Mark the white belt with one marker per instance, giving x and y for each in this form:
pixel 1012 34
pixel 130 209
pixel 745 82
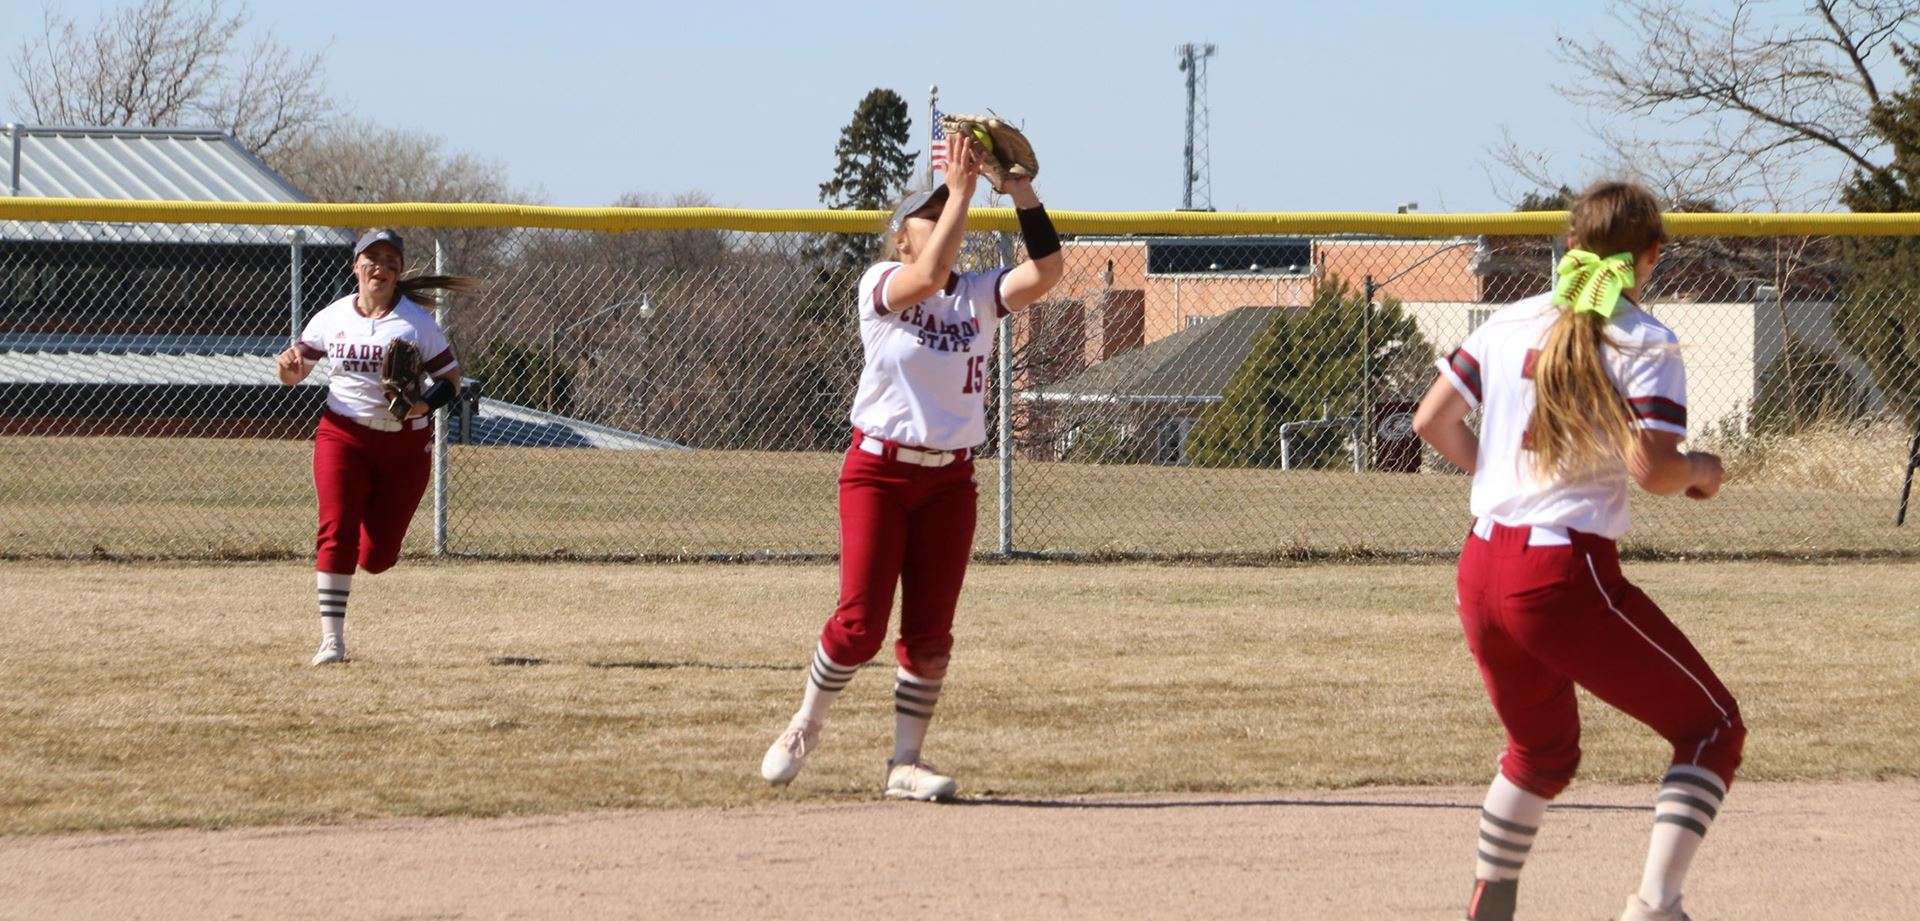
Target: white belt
pixel 387 425
pixel 878 448
pixel 1538 535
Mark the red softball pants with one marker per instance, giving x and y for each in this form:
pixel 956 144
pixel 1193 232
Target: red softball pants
pixel 908 525
pixel 369 483
pixel 1542 619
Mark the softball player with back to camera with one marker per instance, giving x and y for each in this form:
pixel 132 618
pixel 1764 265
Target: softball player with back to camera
pixel 1579 391
pixel 369 467
pixel 907 492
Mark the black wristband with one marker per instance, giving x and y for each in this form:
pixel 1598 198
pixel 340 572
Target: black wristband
pixel 440 394
pixel 1037 230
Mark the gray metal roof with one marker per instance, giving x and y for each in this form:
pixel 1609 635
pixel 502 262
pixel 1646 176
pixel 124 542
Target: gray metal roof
pixel 1193 365
pixel 143 164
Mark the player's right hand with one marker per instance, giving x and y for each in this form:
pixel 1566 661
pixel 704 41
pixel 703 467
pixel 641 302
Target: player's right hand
pixel 963 167
pixel 1707 474
pixel 288 361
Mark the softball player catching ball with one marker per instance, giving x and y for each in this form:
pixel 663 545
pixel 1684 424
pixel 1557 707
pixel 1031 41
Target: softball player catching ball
pixel 369 468
pixel 907 494
pixel 1578 391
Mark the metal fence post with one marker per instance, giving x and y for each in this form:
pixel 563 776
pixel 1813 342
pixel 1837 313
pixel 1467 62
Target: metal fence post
pixel 1366 375
pixel 296 238
pixel 440 423
pixel 1003 384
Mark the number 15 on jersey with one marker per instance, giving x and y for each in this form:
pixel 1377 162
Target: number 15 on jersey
pixel 976 380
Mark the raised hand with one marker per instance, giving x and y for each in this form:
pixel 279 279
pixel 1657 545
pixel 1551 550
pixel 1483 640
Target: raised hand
pixel 963 166
pixel 291 366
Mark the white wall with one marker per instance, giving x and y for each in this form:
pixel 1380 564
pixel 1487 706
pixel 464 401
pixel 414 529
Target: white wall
pixel 1727 346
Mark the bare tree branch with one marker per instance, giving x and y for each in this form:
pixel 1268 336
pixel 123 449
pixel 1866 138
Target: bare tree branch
pixel 1723 102
pixel 171 63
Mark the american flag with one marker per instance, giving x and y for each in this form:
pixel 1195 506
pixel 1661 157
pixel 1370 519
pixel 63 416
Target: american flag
pixel 937 151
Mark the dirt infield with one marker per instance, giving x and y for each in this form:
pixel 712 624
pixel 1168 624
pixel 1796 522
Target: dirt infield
pixel 1799 851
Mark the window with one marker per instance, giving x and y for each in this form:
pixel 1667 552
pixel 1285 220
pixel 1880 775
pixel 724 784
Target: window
pixel 1477 316
pixel 1193 321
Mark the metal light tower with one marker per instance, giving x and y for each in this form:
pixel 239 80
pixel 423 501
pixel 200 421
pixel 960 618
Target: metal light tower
pixel 1198 174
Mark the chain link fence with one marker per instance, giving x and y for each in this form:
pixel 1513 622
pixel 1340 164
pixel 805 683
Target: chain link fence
pixel 684 393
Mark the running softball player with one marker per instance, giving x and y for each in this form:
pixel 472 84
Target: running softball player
pixel 907 494
pixel 1578 390
pixel 369 468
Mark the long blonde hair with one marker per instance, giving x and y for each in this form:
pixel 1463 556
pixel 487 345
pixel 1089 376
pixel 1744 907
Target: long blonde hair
pixel 1580 419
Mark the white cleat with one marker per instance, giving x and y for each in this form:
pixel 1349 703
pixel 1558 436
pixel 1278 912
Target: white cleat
pixel 918 780
pixel 1638 910
pixel 331 651
pixel 789 752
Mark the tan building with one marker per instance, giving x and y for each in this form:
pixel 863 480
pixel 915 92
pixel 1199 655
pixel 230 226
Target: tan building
pixel 1121 296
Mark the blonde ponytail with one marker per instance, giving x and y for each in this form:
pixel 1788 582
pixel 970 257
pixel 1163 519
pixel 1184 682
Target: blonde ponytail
pixel 1580 419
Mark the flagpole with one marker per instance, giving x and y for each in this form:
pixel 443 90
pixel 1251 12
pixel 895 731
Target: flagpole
pixel 933 113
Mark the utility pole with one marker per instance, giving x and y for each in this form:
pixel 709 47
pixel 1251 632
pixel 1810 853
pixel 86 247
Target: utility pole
pixel 1198 173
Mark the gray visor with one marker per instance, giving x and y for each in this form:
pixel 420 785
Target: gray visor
pixel 935 198
pixel 382 235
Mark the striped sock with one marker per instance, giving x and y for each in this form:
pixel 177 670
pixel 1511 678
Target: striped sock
pixel 913 700
pixel 1509 819
pixel 825 680
pixel 330 590
pixel 1689 799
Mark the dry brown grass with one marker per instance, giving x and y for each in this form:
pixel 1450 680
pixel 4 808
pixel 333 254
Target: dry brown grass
pixel 1850 457
pixel 254 499
pixel 153 696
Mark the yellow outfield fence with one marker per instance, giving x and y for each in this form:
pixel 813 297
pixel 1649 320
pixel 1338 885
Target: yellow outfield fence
pixel 622 220
pixel 675 382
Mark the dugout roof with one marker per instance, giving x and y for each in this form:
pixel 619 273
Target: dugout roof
pixel 144 164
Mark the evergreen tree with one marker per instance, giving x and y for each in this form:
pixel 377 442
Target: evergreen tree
pixel 1878 313
pixel 1305 364
pixel 872 166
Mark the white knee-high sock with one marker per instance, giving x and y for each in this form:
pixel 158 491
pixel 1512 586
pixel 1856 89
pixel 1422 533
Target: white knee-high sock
pixel 330 590
pixel 825 680
pixel 1688 801
pixel 1509 819
pixel 913 700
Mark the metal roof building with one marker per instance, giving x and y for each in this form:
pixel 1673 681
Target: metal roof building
pixel 143 164
pixel 1192 366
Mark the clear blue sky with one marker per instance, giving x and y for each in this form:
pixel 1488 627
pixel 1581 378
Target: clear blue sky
pixel 1356 105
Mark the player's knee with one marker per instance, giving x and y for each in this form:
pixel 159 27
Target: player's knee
pixel 925 656
pixel 375 563
pixel 1542 772
pixel 1719 749
pixel 851 643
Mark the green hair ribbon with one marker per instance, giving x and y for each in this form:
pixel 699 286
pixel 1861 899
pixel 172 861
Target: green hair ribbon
pixel 1588 283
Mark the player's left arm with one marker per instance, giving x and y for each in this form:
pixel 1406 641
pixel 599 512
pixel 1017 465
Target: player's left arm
pixel 1031 280
pixel 1441 421
pixel 442 367
pixel 1655 385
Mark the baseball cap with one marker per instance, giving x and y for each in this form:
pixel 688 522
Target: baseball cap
pixel 935 198
pixel 380 235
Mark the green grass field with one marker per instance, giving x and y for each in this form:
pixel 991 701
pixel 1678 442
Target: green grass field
pixel 162 695
pixel 130 497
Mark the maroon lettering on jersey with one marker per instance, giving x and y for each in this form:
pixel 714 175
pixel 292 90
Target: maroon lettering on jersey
pixel 1526 366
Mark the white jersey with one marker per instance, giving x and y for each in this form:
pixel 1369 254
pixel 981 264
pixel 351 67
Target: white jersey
pixel 354 346
pixel 924 384
pixel 1493 369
